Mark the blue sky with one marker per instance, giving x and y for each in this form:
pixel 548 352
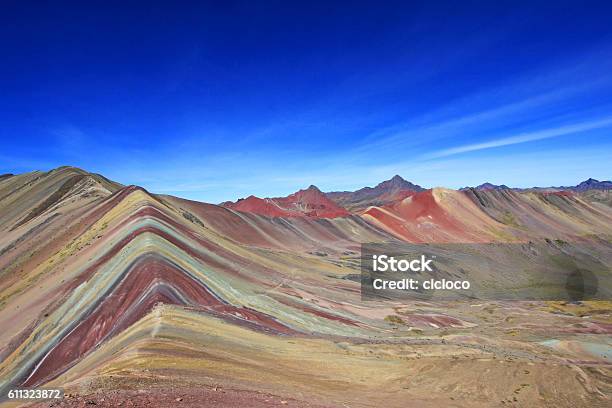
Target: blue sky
pixel 219 100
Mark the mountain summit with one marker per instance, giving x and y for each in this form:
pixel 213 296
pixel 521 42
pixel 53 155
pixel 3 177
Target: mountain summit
pixel 383 193
pixel 592 184
pixel 488 187
pixel 310 202
pixel 589 184
pixel 396 183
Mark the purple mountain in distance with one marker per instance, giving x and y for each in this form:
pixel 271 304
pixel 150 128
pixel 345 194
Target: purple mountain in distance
pixel 396 183
pixel 592 184
pixel 587 185
pixel 398 188
pixel 487 187
pixel 382 193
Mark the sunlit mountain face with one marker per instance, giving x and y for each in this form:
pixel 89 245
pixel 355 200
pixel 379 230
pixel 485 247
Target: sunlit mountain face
pixel 111 292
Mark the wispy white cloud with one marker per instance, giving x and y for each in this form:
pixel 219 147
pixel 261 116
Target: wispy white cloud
pixel 523 102
pixel 524 137
pixel 69 137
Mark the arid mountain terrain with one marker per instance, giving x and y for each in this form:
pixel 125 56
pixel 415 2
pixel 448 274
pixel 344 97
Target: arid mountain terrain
pixel 310 202
pixel 386 192
pixel 114 294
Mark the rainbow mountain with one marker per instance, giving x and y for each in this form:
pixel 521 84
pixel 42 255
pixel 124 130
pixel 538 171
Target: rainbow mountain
pixel 108 289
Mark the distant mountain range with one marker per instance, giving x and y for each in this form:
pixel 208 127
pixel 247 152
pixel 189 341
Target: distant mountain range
pixel 590 184
pixel 312 202
pixel 487 187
